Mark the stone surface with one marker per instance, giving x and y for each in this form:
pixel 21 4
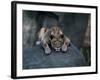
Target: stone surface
pixel 35 57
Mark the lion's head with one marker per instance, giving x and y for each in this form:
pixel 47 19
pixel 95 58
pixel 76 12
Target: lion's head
pixel 56 38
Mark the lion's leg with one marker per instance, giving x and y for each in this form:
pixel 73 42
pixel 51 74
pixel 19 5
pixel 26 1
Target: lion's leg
pixel 43 37
pixel 66 44
pixel 46 47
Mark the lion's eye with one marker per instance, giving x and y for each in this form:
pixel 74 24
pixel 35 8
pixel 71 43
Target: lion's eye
pixel 51 36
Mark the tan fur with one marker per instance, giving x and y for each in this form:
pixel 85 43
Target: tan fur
pixel 55 37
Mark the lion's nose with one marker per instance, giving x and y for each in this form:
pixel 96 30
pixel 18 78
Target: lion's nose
pixel 58 44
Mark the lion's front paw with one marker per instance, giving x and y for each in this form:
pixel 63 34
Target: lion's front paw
pixel 64 48
pixel 47 50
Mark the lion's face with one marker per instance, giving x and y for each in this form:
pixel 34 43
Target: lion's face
pixel 56 38
pixel 56 42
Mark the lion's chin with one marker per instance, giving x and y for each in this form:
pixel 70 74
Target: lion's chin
pixel 57 49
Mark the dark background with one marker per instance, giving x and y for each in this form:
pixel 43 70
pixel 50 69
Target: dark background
pixel 74 25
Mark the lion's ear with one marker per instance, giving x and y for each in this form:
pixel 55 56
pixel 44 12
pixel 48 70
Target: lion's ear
pixel 60 32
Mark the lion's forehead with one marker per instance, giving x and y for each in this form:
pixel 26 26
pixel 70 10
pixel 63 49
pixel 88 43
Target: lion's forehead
pixel 56 31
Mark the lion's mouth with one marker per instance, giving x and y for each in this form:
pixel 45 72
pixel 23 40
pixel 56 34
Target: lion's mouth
pixel 57 49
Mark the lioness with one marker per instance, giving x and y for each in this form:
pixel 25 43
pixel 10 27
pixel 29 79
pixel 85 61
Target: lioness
pixel 53 37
